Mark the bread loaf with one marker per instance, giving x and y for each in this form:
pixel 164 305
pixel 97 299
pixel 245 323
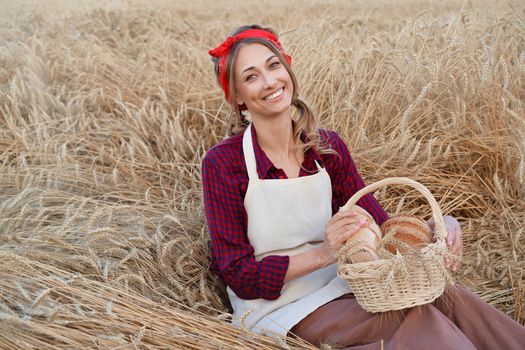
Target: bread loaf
pixel 366 240
pixel 405 232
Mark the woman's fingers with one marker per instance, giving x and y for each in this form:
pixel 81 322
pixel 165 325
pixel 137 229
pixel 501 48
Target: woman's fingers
pixel 447 263
pixel 340 227
pixel 349 231
pixel 458 250
pixel 454 240
pixel 343 222
pixel 338 237
pixel 452 236
pixel 455 245
pixel 339 215
pixel 334 227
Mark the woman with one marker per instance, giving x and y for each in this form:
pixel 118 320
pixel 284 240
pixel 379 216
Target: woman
pixel 272 191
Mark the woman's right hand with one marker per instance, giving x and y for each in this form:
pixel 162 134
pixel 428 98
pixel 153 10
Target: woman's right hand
pixel 338 229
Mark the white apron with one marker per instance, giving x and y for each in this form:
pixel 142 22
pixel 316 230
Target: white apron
pixel 286 217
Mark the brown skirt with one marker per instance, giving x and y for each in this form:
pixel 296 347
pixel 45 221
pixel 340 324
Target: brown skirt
pixel 459 319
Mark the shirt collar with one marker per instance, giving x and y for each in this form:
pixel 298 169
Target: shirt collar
pixel 264 164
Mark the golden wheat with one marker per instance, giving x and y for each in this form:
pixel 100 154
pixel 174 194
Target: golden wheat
pixel 107 108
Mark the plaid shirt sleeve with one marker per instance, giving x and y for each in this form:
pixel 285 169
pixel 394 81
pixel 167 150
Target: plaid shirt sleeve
pixel 346 181
pixel 232 253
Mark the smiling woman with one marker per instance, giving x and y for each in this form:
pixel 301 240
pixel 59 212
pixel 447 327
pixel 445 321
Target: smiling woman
pixel 262 83
pixel 272 191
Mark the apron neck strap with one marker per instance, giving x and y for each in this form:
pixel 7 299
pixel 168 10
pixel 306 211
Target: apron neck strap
pixel 249 153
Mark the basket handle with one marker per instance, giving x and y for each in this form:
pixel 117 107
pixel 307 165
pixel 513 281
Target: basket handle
pixel 439 229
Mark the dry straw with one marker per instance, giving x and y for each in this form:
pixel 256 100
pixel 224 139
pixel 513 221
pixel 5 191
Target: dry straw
pixel 107 109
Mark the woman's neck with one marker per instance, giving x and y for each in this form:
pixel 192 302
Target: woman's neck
pixel 275 136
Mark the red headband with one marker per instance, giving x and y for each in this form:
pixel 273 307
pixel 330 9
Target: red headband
pixel 223 50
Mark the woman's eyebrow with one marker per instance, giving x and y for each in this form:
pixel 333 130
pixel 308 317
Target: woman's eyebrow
pixel 250 68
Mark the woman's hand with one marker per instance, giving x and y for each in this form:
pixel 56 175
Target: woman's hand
pixel 338 229
pixel 454 240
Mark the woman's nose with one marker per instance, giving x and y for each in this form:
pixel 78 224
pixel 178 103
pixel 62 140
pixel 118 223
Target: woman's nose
pixel 269 80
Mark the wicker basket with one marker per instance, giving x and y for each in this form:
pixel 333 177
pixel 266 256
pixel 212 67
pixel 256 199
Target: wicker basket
pixel 398 281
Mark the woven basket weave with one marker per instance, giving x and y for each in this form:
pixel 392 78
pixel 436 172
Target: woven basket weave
pixel 398 281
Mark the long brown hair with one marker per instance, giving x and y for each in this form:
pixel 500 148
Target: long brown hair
pixel 303 122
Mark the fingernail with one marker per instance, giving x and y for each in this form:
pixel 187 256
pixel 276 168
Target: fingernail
pixel 362 222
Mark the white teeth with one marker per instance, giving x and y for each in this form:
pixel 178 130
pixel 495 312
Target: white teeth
pixel 274 95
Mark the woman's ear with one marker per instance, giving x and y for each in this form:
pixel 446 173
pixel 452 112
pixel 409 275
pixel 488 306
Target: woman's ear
pixel 239 101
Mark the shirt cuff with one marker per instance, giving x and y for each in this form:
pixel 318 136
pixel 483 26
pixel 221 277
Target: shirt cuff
pixel 271 277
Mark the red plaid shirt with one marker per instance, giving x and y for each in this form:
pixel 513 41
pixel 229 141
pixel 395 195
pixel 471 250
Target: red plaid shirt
pixel 225 180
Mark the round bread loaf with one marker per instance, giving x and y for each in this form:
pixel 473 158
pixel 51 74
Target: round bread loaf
pixel 366 240
pixel 405 232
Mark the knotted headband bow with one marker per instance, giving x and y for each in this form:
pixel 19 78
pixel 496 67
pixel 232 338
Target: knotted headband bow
pixel 223 50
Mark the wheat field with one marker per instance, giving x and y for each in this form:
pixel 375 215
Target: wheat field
pixel 107 108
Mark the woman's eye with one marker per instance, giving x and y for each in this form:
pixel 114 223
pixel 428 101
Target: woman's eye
pixel 250 77
pixel 275 64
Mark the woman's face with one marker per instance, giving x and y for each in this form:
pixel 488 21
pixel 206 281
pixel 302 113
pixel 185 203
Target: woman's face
pixel 261 81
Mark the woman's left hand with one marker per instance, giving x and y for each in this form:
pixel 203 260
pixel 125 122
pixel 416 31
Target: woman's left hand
pixel 454 240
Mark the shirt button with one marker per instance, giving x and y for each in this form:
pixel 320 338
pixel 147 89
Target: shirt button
pixel 281 177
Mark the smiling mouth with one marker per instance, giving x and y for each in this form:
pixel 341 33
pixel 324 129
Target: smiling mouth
pixel 274 95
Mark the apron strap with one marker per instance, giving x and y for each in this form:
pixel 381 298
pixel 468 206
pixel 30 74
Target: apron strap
pixel 249 153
